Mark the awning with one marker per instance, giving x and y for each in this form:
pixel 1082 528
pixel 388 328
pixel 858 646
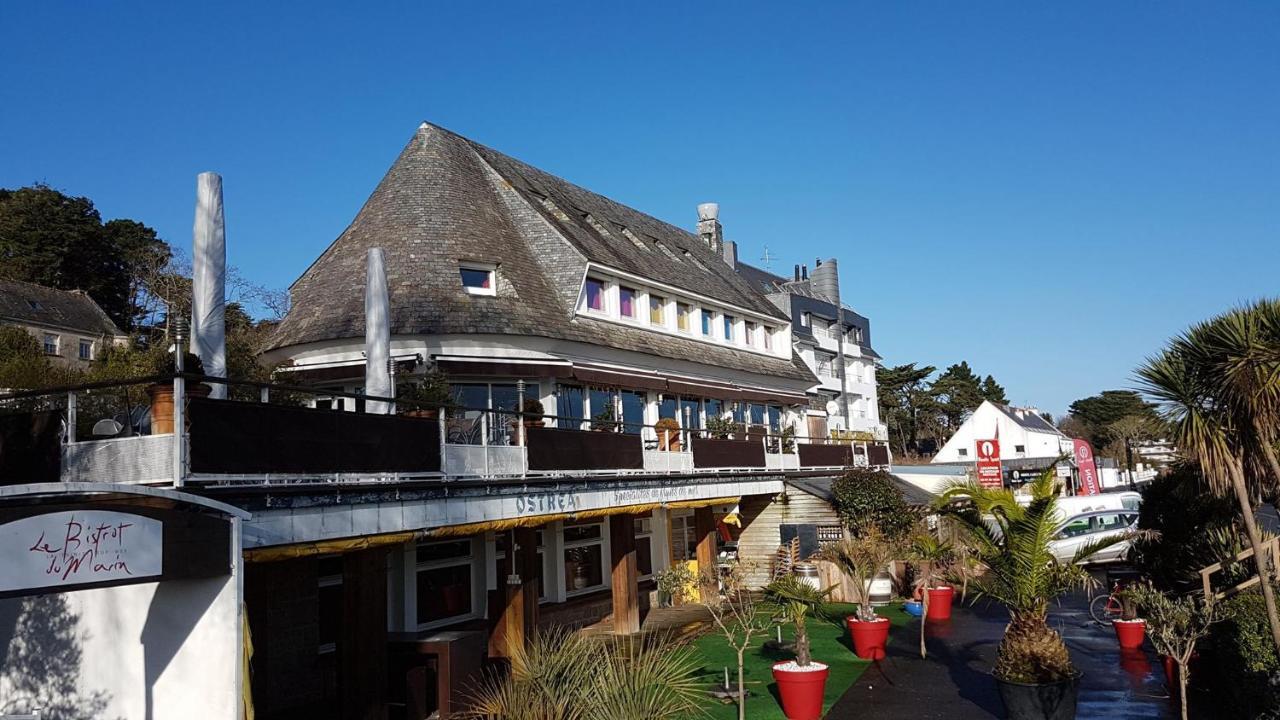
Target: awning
pixel 762 395
pixel 343 370
pixel 695 388
pixel 613 377
pixel 503 367
pixel 275 553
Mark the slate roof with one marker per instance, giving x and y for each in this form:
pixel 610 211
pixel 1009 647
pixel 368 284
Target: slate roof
pixel 28 303
pixel 448 199
pixel 820 487
pixel 1029 419
pixel 769 283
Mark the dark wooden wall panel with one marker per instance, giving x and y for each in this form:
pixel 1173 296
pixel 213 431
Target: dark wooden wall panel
pixel 556 449
pixel 711 453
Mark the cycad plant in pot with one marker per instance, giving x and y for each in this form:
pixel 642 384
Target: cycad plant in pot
pixel 801 682
pixel 425 398
pixel 1033 669
pixel 933 558
pixel 860 558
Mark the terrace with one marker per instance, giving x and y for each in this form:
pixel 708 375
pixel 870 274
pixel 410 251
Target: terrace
pixel 264 434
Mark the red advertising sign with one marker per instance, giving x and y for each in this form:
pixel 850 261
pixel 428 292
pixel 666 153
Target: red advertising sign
pixel 990 473
pixel 1089 482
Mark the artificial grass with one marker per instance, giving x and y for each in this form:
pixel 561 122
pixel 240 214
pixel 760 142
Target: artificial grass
pixel 829 643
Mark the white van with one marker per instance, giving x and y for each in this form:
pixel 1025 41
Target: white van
pixel 1078 504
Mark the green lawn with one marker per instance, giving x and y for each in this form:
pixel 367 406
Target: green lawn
pixel 830 643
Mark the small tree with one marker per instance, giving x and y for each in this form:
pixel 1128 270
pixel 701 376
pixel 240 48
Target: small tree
pixel 738 617
pixel 796 599
pixel 934 557
pixel 871 497
pixel 676 583
pixel 1176 625
pixel 860 558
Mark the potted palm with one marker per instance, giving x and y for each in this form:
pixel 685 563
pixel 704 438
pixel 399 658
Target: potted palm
pixel 860 558
pixel 802 681
pixel 1033 669
pixel 934 557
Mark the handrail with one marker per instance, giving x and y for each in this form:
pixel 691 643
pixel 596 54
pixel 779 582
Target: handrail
pixel 1273 548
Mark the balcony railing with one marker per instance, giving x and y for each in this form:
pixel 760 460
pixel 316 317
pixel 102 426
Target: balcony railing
pixel 105 433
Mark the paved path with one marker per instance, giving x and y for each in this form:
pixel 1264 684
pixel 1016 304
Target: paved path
pixel 954 683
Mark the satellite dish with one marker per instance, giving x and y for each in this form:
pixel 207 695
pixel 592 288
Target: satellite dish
pixel 833 407
pixel 107 428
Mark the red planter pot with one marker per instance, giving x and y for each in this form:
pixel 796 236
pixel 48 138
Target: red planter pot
pixel 801 690
pixel 1130 632
pixel 869 637
pixel 940 603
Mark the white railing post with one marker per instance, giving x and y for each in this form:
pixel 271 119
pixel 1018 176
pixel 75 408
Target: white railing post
pixel 179 421
pixel 520 413
pixel 440 419
pixel 484 439
pixel 264 394
pixel 71 417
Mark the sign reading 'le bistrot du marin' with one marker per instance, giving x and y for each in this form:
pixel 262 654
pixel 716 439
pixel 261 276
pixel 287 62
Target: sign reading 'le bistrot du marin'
pixel 78 547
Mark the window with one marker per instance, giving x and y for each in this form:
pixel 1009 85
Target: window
pixel 583 557
pixel 684 537
pixel 964 452
pixel 444 581
pixel 633 405
pixel 466 423
pixel 502 540
pixel 50 344
pixel 692 408
pixel 644 546
pixel 706 323
pixel 604 410
pixel 804 319
pixel 86 350
pixel 595 294
pixel 682 316
pixel 729 321
pixel 656 310
pixel 570 407
pixel 749 336
pixel 329 599
pixel 627 302
pixel 1020 448
pixel 35 305
pixel 477 280
pixel 768 338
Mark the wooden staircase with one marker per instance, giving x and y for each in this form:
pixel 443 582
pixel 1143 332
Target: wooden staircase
pixel 1271 547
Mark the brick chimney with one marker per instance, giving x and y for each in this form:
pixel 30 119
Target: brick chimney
pixel 709 227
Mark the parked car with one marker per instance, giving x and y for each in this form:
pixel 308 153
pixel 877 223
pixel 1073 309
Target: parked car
pixel 1090 527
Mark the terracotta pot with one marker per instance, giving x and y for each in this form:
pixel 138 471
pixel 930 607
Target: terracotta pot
pixel 1130 632
pixel 869 636
pixel 162 404
pixel 801 690
pixel 428 414
pixel 940 603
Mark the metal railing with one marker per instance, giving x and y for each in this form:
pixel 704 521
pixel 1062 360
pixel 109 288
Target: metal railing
pixel 480 442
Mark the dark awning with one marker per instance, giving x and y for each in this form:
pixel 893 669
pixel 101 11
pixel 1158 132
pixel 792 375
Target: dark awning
pixel 762 395
pixel 487 367
pixel 610 377
pixel 703 389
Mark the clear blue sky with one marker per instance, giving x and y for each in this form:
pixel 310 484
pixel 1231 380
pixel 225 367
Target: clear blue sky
pixel 1045 190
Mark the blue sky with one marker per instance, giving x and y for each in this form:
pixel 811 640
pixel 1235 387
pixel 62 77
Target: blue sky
pixel 1045 190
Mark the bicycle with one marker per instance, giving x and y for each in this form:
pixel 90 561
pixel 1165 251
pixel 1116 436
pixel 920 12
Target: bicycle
pixel 1106 608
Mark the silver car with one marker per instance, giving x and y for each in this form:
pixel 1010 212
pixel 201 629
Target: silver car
pixel 1089 527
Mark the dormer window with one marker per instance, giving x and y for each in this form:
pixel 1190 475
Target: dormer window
pixel 768 339
pixel 706 322
pixel 750 333
pixel 627 302
pixel 595 295
pixel 682 316
pixel 478 279
pixel 729 322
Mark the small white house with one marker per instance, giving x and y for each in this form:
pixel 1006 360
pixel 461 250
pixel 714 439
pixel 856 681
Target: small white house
pixel 1022 433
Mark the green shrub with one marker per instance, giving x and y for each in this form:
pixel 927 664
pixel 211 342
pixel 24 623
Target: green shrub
pixel 871 497
pixel 1196 529
pixel 1245 657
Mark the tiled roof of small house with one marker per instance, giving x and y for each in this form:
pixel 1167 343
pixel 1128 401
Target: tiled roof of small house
pixel 447 200
pixel 28 303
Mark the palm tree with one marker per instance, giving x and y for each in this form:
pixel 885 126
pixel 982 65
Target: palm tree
pixel 1219 388
pixel 935 557
pixel 796 599
pixel 1012 542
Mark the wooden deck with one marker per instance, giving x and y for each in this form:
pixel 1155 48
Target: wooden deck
pixel 683 622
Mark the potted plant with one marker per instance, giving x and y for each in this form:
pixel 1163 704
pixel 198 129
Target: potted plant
pixel 860 558
pixel 668 434
pixel 1130 629
pixel 720 427
pixel 933 557
pixel 426 397
pixel 1176 626
pixel 1033 669
pixel 802 681
pixel 675 584
pixel 162 392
